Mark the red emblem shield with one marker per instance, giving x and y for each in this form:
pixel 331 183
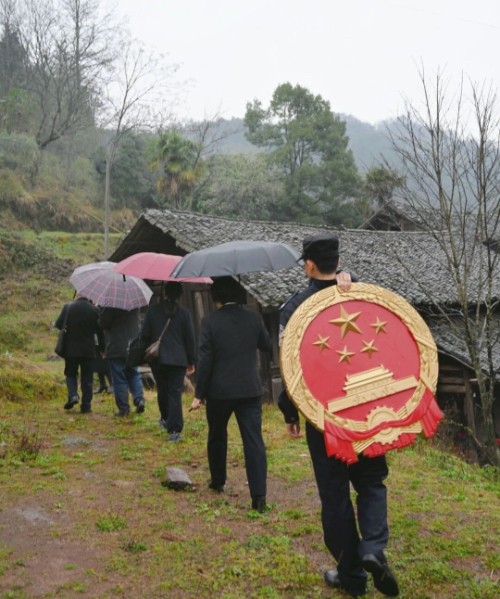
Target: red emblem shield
pixel 362 367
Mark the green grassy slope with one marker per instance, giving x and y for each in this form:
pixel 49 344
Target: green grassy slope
pixel 83 512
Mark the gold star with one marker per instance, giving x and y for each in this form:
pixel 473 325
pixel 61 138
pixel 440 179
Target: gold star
pixel 369 348
pixel 346 322
pixel 345 355
pixel 322 342
pixel 379 325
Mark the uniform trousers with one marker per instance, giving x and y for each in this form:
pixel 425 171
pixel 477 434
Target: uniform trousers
pixel 169 385
pixel 86 366
pixel 248 414
pixel 349 538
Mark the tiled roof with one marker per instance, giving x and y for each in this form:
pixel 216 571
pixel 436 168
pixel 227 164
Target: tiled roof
pixel 450 340
pixel 409 263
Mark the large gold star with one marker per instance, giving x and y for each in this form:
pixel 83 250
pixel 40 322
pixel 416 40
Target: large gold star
pixel 369 348
pixel 322 342
pixel 346 322
pixel 345 355
pixel 379 325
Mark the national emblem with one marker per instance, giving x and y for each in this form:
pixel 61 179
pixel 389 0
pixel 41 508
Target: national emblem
pixel 361 365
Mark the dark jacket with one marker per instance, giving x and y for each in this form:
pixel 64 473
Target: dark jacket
pixel 285 404
pixel 177 346
pixel 82 329
pixel 227 357
pixel 120 327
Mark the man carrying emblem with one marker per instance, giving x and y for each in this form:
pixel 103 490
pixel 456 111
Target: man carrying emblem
pixel 357 544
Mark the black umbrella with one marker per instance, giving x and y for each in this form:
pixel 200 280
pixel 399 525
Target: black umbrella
pixel 236 258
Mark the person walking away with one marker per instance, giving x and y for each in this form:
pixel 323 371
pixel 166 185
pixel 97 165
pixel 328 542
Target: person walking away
pixel 228 381
pixel 81 318
pixel 176 357
pixel 356 553
pixel 101 368
pixel 120 327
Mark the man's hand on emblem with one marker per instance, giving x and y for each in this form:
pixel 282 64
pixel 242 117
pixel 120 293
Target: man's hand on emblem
pixel 344 280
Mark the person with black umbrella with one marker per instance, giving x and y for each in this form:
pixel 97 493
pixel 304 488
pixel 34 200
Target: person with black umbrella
pixel 227 380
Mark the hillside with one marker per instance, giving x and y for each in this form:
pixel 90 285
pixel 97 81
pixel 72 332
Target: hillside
pixel 84 513
pixel 367 142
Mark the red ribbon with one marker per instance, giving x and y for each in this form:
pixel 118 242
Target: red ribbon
pixel 339 441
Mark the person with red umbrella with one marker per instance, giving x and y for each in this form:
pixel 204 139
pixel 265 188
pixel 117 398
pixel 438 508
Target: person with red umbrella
pixel 173 325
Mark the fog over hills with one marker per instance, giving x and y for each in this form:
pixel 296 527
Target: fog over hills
pixel 367 142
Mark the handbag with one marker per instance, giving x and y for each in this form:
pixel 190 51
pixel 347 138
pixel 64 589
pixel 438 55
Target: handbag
pixel 153 351
pixel 135 352
pixel 60 348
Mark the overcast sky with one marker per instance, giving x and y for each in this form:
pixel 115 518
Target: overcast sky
pixel 362 56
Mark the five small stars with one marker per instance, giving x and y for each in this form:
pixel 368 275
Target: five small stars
pixel 346 322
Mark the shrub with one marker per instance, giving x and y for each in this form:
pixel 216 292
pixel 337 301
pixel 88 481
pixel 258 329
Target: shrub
pixel 20 382
pixel 19 152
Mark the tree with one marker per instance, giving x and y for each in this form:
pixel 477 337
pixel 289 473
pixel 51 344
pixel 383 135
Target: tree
pixel 13 57
pixel 134 100
pixel 307 146
pixel 69 47
pixel 238 186
pixel 178 165
pixel 451 158
pixel 132 184
pixel 379 184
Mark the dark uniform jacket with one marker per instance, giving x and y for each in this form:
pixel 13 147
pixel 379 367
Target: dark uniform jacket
pixel 82 329
pixel 177 346
pixel 120 327
pixel 227 357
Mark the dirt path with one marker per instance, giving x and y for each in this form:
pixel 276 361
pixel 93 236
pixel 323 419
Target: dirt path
pixel 89 516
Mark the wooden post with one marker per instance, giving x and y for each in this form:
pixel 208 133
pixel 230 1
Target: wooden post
pixel 469 403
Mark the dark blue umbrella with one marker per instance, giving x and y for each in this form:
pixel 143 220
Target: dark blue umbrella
pixel 236 258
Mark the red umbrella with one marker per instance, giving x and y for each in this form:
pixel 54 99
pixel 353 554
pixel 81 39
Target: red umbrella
pixel 154 267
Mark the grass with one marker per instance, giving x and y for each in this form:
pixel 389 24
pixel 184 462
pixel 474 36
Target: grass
pixel 84 513
pixel 96 482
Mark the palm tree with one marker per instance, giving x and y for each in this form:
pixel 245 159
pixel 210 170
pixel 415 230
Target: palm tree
pixel 178 166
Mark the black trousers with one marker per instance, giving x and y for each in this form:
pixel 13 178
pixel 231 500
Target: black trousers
pixel 86 366
pixel 169 384
pixel 348 539
pixel 248 414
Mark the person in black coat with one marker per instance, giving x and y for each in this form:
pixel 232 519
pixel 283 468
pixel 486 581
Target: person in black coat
pixel 81 318
pixel 227 379
pixel 356 539
pixel 176 358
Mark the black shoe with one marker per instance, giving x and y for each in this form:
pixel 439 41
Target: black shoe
pixel 140 407
pixel 259 504
pixel 216 488
pixel 332 580
pixel 72 401
pixel 85 410
pixel 122 413
pixel 174 437
pixel 383 579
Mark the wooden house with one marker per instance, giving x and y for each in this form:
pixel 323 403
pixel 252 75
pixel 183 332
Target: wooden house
pixel 406 262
